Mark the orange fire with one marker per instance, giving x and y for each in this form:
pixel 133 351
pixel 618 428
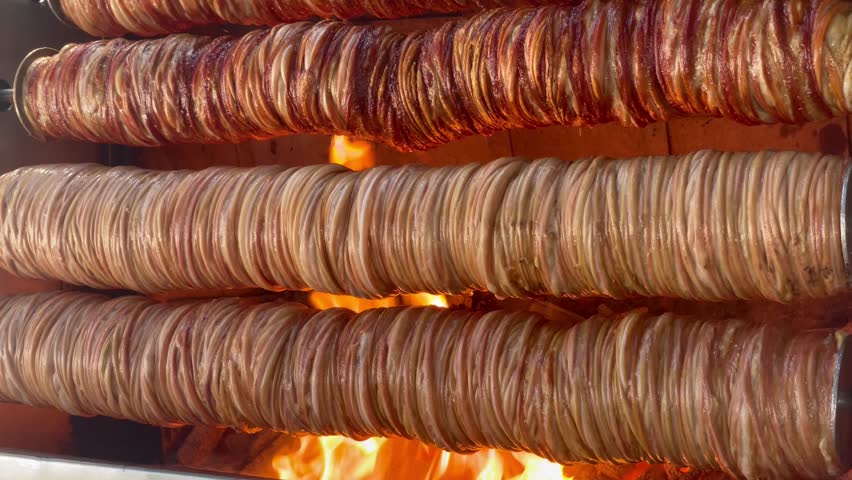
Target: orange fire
pixel 355 154
pixel 337 457
pixel 324 301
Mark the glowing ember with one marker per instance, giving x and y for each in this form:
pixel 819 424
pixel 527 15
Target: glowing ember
pixel 425 299
pixel 638 470
pixel 355 154
pixel 325 301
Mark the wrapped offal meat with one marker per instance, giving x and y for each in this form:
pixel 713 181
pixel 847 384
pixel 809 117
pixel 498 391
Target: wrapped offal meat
pixel 624 388
pixel 594 62
pixel 156 17
pixel 708 225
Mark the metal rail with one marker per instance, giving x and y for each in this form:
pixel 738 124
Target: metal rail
pixel 19 466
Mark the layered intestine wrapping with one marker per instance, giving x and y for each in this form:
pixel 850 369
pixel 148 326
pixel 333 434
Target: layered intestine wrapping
pixel 707 226
pixel 614 388
pixel 592 62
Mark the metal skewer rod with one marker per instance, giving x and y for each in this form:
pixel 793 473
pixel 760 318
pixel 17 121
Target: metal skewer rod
pixel 7 97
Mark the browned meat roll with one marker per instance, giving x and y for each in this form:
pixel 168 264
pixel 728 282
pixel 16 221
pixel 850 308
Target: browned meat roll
pixel 595 62
pixel 709 225
pixel 114 18
pixel 614 389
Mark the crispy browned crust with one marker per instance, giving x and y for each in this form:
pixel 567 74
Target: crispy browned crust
pixel 595 62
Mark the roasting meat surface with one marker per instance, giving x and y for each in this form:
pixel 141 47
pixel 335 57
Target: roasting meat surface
pixel 625 388
pixel 595 62
pixel 708 226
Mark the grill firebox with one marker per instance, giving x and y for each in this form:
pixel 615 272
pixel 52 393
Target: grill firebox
pixel 42 443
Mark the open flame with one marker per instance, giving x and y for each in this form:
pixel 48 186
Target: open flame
pixel 323 301
pixel 330 457
pixel 337 457
pixel 355 154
